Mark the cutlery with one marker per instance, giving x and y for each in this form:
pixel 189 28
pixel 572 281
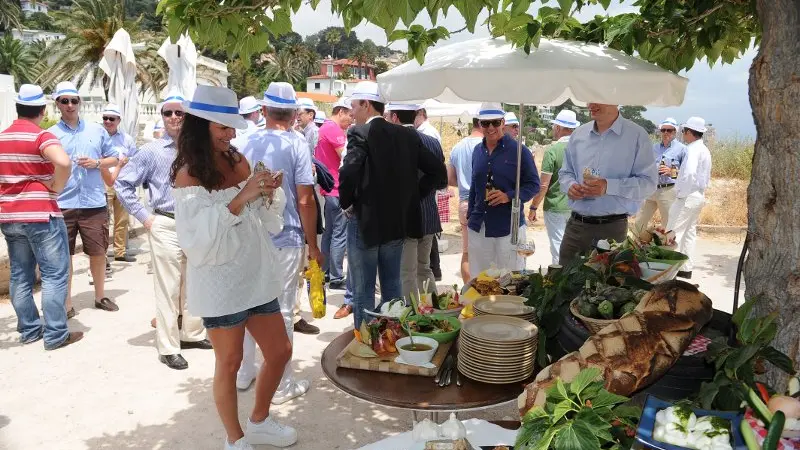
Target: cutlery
pixel 442 369
pixel 448 370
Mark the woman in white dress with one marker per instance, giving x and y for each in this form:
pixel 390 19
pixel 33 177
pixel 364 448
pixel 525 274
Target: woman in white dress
pixel 223 216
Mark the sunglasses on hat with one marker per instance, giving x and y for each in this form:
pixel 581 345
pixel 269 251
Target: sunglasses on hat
pixel 169 113
pixel 109 119
pixel 67 101
pixel 495 123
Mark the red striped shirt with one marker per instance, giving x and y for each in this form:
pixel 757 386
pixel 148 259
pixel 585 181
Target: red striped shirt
pixel 23 198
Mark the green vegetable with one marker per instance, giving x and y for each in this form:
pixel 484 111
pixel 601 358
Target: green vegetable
pixel 587 309
pixel 749 435
pixel 758 405
pixel 627 308
pixel 774 432
pixel 606 309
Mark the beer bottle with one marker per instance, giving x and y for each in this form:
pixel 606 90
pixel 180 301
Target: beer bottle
pixel 489 183
pixel 662 165
pixel 673 172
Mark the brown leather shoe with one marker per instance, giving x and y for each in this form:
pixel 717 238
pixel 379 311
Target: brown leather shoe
pixel 106 304
pixel 73 337
pixel 306 328
pixel 344 311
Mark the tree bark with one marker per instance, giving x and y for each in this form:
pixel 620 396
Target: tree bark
pixel 772 270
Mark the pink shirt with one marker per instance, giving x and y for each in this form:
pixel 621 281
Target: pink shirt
pixel 331 137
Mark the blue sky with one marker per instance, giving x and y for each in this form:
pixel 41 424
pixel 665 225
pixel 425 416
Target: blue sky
pixel 717 94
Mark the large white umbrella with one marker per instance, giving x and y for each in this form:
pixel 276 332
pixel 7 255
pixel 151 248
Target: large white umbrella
pixel 451 112
pixel 119 64
pixel 181 57
pixel 492 70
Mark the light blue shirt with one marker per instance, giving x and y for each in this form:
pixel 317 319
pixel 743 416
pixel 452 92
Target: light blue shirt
pixel 85 187
pixel 286 151
pixel 123 143
pixel 461 160
pixel 151 164
pixel 674 153
pixel 622 155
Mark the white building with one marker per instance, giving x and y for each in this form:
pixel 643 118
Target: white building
pixel 29 7
pixel 545 113
pixel 31 36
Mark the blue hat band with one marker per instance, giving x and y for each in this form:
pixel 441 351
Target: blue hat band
pixel 213 108
pixel 174 97
pixel 30 99
pixel 65 92
pixel 565 123
pixel 113 111
pixel 280 100
pixel 486 112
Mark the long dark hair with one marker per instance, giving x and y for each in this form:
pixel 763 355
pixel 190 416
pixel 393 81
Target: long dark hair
pixel 196 152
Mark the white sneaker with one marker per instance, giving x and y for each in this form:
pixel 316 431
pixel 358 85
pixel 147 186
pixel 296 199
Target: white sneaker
pixel 245 377
pixel 296 389
pixel 271 433
pixel 241 444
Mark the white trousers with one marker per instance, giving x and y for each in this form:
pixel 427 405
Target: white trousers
pixel 684 215
pixel 289 259
pixel 169 270
pixel 662 199
pixel 555 222
pixel 485 251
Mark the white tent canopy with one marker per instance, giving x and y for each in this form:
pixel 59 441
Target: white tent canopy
pixel 489 69
pixel 119 64
pixel 451 112
pixel 181 57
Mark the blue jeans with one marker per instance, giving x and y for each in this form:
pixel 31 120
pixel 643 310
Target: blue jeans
pixel 334 239
pixel 44 244
pixel 364 263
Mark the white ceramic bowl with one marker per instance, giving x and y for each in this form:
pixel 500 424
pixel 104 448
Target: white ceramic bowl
pixel 652 270
pixel 417 358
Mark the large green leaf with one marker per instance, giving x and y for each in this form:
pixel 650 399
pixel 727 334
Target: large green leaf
pixel 576 436
pixel 743 312
pixel 778 358
pixel 584 378
pixel 561 409
pixel 605 398
pixel 592 420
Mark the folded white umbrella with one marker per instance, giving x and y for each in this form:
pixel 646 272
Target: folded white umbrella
pixel 119 64
pixel 488 69
pixel 181 57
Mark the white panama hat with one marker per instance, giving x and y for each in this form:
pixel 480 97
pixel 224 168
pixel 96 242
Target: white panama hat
pixel 489 111
pixel 320 117
pixel 669 121
pixel 248 105
pixel 30 95
pixel 217 104
pixel 306 103
pixel 402 107
pixel 696 123
pixel 343 102
pixel 65 88
pixel 567 119
pixel 367 90
pixel 511 119
pixel 280 94
pixel 112 110
pixel 173 97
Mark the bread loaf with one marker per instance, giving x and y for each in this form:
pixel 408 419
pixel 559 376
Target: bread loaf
pixel 635 350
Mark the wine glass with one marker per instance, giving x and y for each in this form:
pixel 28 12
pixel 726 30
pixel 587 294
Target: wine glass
pixel 526 249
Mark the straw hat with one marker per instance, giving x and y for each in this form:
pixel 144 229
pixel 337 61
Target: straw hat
pixel 696 123
pixel 306 103
pixel 489 111
pixel 367 90
pixel 30 95
pixel 343 102
pixel 65 88
pixel 280 94
pixel 511 119
pixel 566 119
pixel 402 107
pixel 112 110
pixel 669 121
pixel 173 97
pixel 320 117
pixel 217 104
pixel 248 105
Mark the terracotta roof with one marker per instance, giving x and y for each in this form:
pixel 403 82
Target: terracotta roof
pixel 346 62
pixel 319 77
pixel 318 97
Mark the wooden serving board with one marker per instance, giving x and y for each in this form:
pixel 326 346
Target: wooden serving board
pixel 387 364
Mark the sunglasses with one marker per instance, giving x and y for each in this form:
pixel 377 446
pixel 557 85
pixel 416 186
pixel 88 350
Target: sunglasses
pixel 67 101
pixel 109 119
pixel 495 123
pixel 668 130
pixel 169 113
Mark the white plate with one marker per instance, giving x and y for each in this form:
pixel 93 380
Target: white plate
pixel 493 328
pixel 503 305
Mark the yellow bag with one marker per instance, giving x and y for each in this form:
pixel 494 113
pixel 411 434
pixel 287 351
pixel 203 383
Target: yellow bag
pixel 316 289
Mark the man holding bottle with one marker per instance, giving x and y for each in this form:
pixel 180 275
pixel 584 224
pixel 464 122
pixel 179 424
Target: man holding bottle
pixel 669 153
pixel 494 174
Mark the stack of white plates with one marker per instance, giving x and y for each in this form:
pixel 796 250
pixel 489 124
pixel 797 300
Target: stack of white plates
pixel 497 349
pixel 505 305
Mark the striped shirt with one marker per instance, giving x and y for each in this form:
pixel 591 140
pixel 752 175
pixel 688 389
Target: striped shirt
pixel 430 212
pixel 23 198
pixel 151 164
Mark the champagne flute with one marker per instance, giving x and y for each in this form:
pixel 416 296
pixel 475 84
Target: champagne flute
pixel 526 249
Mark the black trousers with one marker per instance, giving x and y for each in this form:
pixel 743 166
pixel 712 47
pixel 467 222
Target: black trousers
pixel 435 267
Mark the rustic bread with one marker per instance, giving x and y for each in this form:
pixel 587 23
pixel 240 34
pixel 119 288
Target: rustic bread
pixel 635 350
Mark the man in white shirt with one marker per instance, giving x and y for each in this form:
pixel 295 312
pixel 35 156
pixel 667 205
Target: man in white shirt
pixel 250 110
pixel 693 179
pixel 423 126
pixel 126 146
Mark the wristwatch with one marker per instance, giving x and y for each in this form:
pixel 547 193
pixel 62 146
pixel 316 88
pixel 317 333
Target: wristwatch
pixel 97 166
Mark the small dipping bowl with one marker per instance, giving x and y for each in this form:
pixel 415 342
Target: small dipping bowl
pixel 417 358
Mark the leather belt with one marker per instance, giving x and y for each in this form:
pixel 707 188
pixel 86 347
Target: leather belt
pixel 661 186
pixel 599 220
pixel 165 214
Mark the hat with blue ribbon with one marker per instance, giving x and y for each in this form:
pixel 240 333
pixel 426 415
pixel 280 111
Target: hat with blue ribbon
pixel 30 95
pixel 343 102
pixel 174 96
pixel 280 94
pixel 566 119
pixel 65 88
pixel 367 90
pixel 402 107
pixel 489 111
pixel 511 119
pixel 248 105
pixel 669 121
pixel 112 110
pixel 319 118
pixel 216 104
pixel 306 103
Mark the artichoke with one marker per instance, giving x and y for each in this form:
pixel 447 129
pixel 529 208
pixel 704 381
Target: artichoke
pixel 627 308
pixel 606 309
pixel 587 309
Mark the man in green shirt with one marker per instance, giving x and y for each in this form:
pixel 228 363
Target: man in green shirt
pixel 556 209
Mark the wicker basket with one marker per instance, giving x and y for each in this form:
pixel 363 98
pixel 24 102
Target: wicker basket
pixel 592 324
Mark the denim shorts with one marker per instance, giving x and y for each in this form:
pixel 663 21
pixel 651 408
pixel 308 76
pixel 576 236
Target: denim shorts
pixel 235 319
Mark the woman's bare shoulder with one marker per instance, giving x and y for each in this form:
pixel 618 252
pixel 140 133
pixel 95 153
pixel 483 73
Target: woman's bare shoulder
pixel 183 179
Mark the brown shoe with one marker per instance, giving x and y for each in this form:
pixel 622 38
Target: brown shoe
pixel 153 322
pixel 306 328
pixel 344 311
pixel 71 313
pixel 106 304
pixel 73 337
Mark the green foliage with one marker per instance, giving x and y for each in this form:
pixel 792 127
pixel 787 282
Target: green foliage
pixel 345 73
pixel 48 122
pixel 380 67
pixel 737 365
pixel 733 158
pixel 579 415
pixel 634 113
pixel 18 60
pixel 10 15
pixel 39 21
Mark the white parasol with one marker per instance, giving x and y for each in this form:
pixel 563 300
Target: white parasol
pixel 451 112
pixel 119 64
pixel 181 57
pixel 492 70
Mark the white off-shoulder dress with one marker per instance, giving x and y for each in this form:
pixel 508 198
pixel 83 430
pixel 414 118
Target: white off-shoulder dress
pixel 230 259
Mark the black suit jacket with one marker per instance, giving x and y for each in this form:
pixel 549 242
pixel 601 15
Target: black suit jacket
pixel 380 180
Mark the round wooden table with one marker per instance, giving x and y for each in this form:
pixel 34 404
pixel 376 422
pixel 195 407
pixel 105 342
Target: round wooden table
pixel 413 392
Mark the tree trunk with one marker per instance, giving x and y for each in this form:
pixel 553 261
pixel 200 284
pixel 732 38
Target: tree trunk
pixel 772 270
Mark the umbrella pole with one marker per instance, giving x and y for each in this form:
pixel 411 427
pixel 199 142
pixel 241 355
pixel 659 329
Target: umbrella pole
pixel 515 206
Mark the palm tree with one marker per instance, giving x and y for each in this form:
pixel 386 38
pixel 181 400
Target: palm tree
pixel 333 37
pixel 10 14
pixel 283 67
pixel 152 71
pixel 17 59
pixel 306 59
